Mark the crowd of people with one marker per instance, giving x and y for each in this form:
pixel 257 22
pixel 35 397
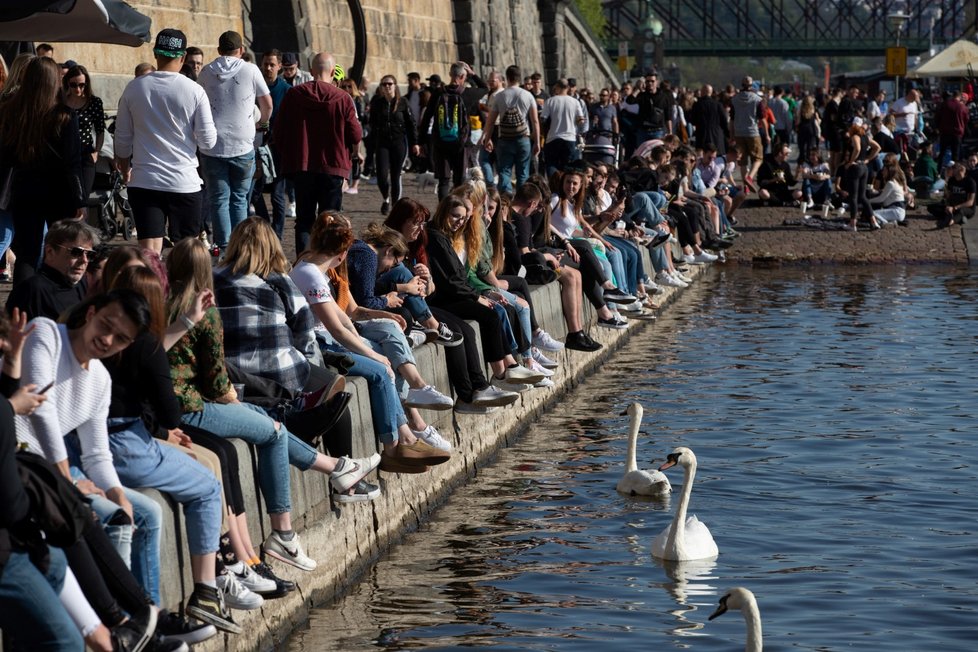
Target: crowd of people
pixel 130 367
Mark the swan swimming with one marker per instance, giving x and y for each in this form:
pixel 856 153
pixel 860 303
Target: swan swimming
pixel 636 482
pixel 743 599
pixel 684 538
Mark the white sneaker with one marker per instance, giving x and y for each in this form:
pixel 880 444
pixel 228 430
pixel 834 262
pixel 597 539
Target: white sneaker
pixel 428 398
pixel 290 552
pixel 689 259
pixel 543 340
pixel 668 280
pixel 520 374
pixel 236 595
pixel 682 278
pixel 635 306
pixel 533 365
pixel 349 471
pixel 432 437
pixel 250 579
pixel 290 210
pixel 512 386
pixel 493 396
pixel 546 383
pixel 704 257
pixel 542 359
pixel 417 338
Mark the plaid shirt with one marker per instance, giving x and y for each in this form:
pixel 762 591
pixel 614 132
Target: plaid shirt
pixel 268 326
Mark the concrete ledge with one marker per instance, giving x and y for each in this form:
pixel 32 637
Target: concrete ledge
pixel 345 541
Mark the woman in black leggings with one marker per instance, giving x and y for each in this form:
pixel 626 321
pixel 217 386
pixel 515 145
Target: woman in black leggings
pixel 394 131
pixel 858 150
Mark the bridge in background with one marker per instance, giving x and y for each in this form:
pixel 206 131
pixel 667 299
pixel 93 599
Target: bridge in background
pixel 787 28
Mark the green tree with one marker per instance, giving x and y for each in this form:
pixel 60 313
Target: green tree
pixel 593 15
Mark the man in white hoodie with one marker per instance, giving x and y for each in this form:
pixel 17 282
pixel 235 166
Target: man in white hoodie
pixel 232 86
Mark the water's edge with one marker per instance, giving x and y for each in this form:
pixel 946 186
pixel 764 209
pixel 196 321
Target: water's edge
pixel 348 542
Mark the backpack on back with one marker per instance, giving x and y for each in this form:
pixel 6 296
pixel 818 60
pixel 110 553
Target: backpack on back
pixel 452 119
pixel 512 124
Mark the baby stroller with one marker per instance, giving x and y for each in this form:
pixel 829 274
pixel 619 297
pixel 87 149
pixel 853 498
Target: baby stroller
pixel 601 147
pixel 108 204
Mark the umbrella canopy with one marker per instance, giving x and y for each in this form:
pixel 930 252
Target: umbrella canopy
pixel 77 21
pixel 952 61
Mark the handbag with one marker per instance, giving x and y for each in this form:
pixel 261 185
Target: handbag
pixel 57 507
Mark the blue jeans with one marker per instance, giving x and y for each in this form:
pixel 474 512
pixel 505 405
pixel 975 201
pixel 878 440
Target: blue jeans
pixel 646 208
pixel 138 546
pixel 6 232
pixel 485 162
pixel 818 191
pixel 29 606
pixel 386 338
pixel 522 313
pixel 385 405
pixel 631 262
pixel 250 423
pixel 141 462
pixel 509 337
pixel 227 182
pixel 512 153
pixel 416 305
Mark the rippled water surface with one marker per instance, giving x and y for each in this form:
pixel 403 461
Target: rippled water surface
pixel 833 415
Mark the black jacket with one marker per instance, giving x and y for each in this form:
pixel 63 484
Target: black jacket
pixel 392 121
pixel 447 272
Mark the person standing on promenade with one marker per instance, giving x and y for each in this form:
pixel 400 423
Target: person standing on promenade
pixel 951 119
pixel 564 114
pixel 232 86
pixel 163 118
pixel 444 128
pixel 750 130
pixel 517 136
pixel 316 129
pixel 710 121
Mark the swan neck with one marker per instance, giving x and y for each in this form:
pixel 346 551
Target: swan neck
pixel 678 534
pixel 752 617
pixel 631 462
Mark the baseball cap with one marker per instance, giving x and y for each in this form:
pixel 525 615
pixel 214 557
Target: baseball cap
pixel 70 63
pixel 434 79
pixel 290 59
pixel 229 41
pixel 170 43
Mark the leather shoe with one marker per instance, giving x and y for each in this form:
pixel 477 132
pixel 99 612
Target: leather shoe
pixel 420 454
pixel 391 464
pixel 581 342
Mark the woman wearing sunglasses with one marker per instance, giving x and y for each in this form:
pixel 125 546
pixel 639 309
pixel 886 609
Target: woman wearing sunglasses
pixel 76 93
pixel 394 131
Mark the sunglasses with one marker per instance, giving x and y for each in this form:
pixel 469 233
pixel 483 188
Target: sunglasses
pixel 388 83
pixel 78 252
pixel 80 85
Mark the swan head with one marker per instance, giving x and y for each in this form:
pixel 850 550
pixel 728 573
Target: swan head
pixel 737 598
pixel 634 410
pixel 681 456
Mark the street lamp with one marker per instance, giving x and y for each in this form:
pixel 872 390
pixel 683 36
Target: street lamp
pixel 650 34
pixel 897 20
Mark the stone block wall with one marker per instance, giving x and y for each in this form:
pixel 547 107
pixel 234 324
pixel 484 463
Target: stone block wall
pixel 111 66
pixel 493 34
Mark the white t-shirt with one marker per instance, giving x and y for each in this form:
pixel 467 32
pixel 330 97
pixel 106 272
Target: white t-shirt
pixel 513 97
pixel 315 288
pixel 163 118
pixel 563 112
pixel 907 123
pixel 232 85
pixel 562 217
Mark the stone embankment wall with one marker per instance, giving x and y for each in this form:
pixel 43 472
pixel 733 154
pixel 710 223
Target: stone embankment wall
pixel 402 36
pixel 346 540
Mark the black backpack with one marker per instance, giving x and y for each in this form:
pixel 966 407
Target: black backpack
pixel 451 119
pixel 57 507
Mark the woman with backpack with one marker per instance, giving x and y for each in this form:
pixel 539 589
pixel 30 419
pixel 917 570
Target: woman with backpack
pixel 394 131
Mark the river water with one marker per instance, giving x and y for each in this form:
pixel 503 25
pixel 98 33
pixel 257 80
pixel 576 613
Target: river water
pixel 833 416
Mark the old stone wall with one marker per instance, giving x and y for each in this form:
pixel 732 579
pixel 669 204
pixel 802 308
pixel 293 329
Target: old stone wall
pixel 570 49
pixel 111 66
pixel 494 34
pixel 402 36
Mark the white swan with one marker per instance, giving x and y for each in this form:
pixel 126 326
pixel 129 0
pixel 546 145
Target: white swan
pixel 741 598
pixel 636 482
pixel 685 538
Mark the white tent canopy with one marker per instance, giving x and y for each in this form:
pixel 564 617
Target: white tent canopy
pixel 953 61
pixel 79 21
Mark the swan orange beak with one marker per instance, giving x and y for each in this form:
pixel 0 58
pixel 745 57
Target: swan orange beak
pixel 668 464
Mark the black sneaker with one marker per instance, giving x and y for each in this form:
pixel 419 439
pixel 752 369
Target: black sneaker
pixel 385 208
pixel 363 491
pixel 206 604
pixel 614 322
pixel 660 239
pixel 581 342
pixel 445 336
pixel 135 633
pixel 177 628
pixel 162 644
pixel 283 587
pixel 614 295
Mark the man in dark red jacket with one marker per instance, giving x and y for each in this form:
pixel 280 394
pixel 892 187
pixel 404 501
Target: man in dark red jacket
pixel 315 130
pixel 951 118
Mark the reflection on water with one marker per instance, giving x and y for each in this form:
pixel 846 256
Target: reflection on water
pixel 832 414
